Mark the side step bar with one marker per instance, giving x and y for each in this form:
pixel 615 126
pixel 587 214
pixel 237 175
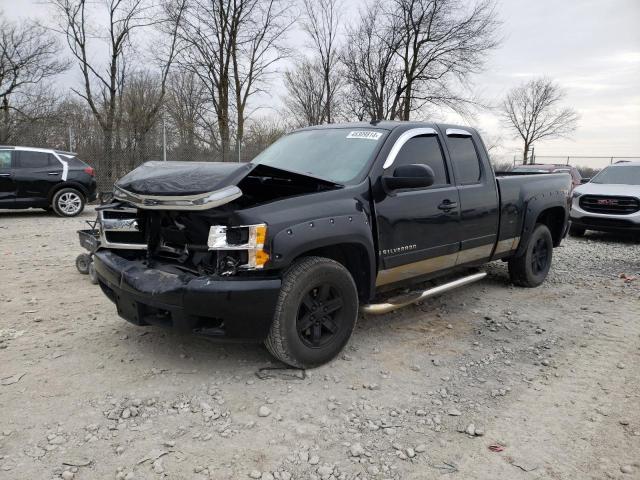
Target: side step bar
pixel 404 300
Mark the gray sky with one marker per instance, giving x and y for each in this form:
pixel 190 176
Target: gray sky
pixel 591 47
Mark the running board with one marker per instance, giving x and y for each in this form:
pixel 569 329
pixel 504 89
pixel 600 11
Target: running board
pixel 404 300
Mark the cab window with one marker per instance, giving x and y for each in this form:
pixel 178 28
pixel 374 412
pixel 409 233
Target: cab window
pixel 424 149
pixel 466 164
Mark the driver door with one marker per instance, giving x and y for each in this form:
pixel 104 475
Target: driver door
pixel 418 229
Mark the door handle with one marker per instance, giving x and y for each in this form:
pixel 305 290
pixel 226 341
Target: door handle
pixel 447 205
pixel 5 174
pixel 54 173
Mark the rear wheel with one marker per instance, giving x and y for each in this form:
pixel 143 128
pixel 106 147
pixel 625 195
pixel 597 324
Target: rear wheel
pixel 68 202
pixel 315 314
pixel 576 231
pixel 531 268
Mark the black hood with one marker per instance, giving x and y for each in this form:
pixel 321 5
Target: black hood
pixel 183 178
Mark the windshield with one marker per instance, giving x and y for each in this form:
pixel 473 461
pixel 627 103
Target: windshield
pixel 622 175
pixel 337 155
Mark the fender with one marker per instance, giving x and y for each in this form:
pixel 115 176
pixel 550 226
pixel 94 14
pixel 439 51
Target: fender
pixel 534 206
pixel 295 240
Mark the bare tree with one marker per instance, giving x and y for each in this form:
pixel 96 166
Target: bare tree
pixel 29 54
pixel 407 55
pixel 441 43
pixel 104 78
pixel 231 47
pixel 185 102
pixel 305 99
pixel 533 111
pixel 258 47
pixel 322 24
pixel 139 105
pixel 370 66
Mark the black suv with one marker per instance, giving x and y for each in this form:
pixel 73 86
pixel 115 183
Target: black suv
pixel 45 178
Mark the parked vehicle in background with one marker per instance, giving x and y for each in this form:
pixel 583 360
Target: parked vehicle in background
pixel 286 248
pixel 45 178
pixel 576 178
pixel 610 202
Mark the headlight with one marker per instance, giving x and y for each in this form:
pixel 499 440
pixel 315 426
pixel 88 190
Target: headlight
pixel 249 238
pixel 575 194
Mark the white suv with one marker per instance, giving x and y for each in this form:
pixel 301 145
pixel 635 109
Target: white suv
pixel 610 202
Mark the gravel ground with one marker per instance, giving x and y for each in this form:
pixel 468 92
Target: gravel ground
pixel 487 382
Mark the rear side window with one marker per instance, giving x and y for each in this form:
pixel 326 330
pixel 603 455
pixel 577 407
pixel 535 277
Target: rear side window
pixel 5 159
pixel 466 163
pixel 28 159
pixel 426 150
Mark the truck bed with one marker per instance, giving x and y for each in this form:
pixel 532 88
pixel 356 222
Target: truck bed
pixel 519 190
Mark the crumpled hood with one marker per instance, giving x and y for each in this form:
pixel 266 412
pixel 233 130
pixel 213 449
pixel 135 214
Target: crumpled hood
pixel 609 189
pixel 182 178
pixel 206 185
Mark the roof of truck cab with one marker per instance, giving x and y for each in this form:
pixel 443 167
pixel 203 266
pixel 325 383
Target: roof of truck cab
pixel 386 125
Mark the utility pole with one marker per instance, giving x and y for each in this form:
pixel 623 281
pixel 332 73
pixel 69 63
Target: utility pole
pixel 70 139
pixel 164 140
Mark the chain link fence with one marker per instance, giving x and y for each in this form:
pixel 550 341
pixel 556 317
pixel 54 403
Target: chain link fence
pixel 130 149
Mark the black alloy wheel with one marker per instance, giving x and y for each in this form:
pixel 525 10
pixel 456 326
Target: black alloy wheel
pixel 539 256
pixel 318 319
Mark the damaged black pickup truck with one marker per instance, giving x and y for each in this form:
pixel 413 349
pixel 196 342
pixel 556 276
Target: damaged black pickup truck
pixel 325 222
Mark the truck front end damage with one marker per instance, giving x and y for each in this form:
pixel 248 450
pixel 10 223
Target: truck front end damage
pixel 183 255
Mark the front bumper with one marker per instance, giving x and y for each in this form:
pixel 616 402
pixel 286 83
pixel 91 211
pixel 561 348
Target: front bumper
pixel 240 308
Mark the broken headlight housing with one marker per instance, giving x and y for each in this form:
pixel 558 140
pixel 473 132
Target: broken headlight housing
pixel 247 238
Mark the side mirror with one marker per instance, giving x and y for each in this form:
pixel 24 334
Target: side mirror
pixel 410 176
pixel 585 180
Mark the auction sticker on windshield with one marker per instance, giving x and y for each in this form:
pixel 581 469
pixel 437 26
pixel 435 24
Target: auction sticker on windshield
pixel 365 134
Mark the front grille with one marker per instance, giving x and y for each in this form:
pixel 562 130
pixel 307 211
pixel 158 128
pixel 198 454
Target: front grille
pixel 609 205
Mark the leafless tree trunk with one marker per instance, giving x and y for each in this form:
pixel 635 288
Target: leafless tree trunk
pixel 29 55
pixel 322 24
pixel 104 78
pixel 533 112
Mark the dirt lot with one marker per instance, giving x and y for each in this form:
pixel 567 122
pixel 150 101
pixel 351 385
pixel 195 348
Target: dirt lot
pixel 550 376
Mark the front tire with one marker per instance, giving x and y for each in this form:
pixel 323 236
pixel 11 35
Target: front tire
pixel 531 268
pixel 68 202
pixel 316 313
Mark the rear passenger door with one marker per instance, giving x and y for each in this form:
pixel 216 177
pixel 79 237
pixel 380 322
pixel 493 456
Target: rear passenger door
pixel 477 190
pixel 35 173
pixel 418 230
